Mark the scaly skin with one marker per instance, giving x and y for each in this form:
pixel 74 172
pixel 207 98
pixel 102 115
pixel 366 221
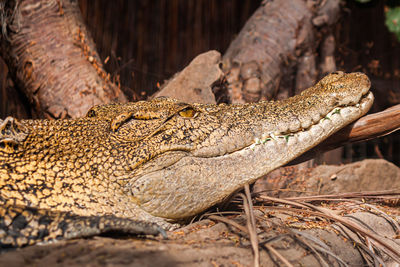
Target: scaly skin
pixel 134 167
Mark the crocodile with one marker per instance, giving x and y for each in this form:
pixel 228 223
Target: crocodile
pixel 140 168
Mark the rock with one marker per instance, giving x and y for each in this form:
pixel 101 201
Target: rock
pixel 366 175
pixel 194 83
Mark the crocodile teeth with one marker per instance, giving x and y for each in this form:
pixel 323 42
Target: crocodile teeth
pixel 282 127
pixel 306 123
pixel 315 117
pixel 294 126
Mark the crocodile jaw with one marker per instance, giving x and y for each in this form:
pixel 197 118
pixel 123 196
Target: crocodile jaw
pixel 194 183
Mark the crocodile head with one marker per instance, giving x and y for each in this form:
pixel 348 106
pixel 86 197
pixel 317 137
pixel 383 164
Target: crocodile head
pixel 192 156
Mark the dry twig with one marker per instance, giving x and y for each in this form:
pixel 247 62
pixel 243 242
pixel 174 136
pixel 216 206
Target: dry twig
pixel 390 250
pixel 278 255
pixel 230 222
pixel 251 224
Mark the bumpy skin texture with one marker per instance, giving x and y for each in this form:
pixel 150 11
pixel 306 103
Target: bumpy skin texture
pixel 134 167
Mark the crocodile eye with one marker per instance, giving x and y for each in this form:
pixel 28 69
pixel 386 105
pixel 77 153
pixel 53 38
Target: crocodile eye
pixel 188 112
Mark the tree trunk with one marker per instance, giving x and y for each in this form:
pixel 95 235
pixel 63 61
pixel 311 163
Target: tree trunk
pixel 53 59
pixel 274 55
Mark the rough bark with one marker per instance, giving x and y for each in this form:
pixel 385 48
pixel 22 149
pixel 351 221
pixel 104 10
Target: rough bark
pixel 52 58
pixel 274 56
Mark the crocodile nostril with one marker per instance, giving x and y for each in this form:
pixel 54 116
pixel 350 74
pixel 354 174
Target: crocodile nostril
pixel 91 113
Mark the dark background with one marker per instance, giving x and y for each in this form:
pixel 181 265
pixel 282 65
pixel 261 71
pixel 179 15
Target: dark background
pixel 149 41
